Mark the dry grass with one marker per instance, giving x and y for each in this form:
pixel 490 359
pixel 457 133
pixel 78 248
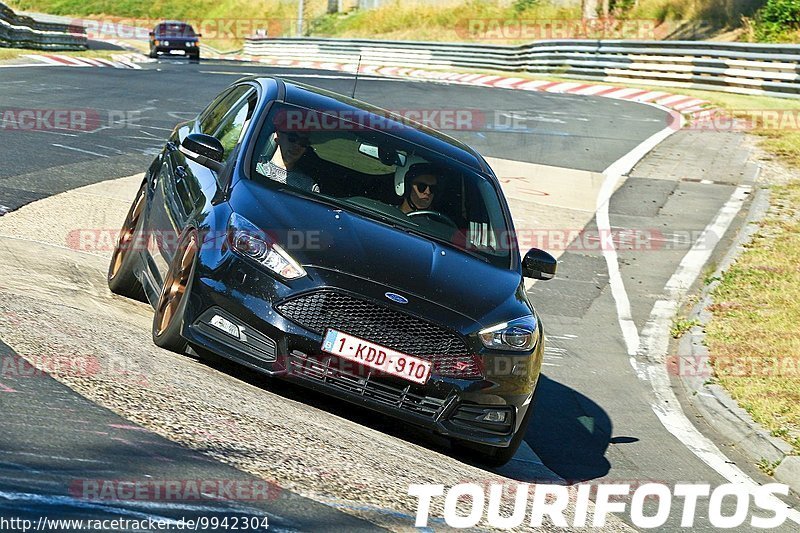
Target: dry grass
pixel 13 53
pixel 753 337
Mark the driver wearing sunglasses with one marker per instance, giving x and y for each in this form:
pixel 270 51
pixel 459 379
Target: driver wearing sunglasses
pixel 422 183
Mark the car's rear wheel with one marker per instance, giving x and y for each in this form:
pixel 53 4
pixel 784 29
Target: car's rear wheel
pixel 121 271
pixel 171 305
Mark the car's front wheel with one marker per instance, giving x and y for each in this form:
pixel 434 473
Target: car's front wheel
pixel 171 305
pixel 121 271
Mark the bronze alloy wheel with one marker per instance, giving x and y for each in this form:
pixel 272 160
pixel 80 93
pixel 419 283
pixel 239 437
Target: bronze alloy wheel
pixel 126 234
pixel 175 284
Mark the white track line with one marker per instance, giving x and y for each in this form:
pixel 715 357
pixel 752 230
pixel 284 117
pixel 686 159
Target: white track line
pixel 655 344
pixel 78 150
pixel 612 175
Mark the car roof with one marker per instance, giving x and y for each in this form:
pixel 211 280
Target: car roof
pixel 405 129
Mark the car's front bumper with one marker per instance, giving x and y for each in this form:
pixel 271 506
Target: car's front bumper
pixel 178 46
pixel 277 346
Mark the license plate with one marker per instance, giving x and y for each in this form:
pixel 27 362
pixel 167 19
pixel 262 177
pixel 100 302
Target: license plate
pixel 376 356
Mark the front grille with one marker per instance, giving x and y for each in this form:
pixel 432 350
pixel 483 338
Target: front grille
pixel 322 372
pixel 383 325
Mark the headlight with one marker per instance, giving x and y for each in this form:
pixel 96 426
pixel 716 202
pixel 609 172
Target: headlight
pixel 247 240
pixel 519 335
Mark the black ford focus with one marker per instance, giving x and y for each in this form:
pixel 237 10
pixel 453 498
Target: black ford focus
pixel 316 238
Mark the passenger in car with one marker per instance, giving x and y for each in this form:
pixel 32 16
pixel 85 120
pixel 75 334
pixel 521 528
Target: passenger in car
pixel 294 162
pixel 421 183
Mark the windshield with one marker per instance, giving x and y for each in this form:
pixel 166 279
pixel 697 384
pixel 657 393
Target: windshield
pixel 175 30
pixel 357 164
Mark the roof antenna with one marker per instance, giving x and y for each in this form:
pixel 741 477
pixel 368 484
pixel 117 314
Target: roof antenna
pixel 355 83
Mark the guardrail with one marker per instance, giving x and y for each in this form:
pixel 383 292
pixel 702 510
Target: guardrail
pixel 25 32
pixel 746 68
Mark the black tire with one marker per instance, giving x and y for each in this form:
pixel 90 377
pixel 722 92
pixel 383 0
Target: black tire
pixel 493 456
pixel 122 267
pixel 167 330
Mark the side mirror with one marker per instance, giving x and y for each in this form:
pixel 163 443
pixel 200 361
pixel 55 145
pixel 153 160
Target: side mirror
pixel 204 149
pixel 538 264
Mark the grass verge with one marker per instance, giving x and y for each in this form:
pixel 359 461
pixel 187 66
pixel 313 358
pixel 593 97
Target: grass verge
pixel 753 336
pixel 14 53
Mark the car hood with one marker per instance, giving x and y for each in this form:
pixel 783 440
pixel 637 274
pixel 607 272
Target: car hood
pixel 320 236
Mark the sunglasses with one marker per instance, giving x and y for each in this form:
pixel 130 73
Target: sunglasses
pixel 296 138
pixel 423 187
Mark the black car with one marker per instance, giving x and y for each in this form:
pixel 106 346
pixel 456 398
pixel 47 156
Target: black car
pixel 319 239
pixel 174 37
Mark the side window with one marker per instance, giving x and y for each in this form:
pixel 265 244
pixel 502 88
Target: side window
pixel 232 126
pixel 203 116
pixel 219 108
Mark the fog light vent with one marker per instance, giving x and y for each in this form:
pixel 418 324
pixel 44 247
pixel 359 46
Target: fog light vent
pixel 495 416
pixel 497 419
pixel 225 325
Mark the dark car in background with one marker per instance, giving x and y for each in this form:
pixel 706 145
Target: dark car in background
pixel 273 230
pixel 174 37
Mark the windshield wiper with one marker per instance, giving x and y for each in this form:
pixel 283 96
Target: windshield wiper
pixel 447 243
pixel 387 219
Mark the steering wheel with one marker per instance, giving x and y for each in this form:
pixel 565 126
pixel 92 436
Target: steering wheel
pixel 436 215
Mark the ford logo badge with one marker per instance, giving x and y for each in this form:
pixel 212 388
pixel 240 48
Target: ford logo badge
pixel 396 298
